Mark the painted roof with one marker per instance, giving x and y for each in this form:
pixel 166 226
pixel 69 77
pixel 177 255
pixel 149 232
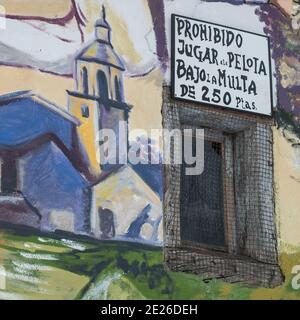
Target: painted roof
pixel 102 53
pixel 25 116
pixel 7 98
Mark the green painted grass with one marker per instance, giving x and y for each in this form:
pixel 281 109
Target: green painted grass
pixel 44 267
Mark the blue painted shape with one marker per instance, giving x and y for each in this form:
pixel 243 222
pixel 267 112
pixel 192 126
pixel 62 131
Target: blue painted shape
pixel 25 119
pixel 136 226
pixel 50 182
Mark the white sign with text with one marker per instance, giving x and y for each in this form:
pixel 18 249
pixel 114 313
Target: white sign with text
pixel 222 66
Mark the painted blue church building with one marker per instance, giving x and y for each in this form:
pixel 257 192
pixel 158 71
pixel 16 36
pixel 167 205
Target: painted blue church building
pixel 44 177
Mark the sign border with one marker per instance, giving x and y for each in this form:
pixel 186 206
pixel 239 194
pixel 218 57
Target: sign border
pixel 173 16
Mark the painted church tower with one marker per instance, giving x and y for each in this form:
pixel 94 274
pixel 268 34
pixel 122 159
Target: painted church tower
pixel 98 100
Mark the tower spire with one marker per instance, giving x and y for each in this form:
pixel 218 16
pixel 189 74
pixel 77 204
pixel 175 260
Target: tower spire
pixel 103 12
pixel 102 27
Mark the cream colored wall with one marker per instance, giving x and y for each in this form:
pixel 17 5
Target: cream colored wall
pixel 287 190
pixel 47 85
pixel 145 94
pixel 44 8
pixel 62 220
pixel 286 5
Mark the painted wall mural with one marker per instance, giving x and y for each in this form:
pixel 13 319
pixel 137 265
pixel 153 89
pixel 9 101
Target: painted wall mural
pixel 79 219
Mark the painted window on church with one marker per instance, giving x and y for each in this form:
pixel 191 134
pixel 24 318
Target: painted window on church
pixel 118 89
pixel 85 112
pixel 102 84
pixel 85 80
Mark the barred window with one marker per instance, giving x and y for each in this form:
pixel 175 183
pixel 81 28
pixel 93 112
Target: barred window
pixel 222 223
pixel 202 200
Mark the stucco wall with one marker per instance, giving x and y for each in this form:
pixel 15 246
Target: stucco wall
pixel 287 190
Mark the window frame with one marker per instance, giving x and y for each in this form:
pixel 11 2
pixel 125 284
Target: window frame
pixel 252 255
